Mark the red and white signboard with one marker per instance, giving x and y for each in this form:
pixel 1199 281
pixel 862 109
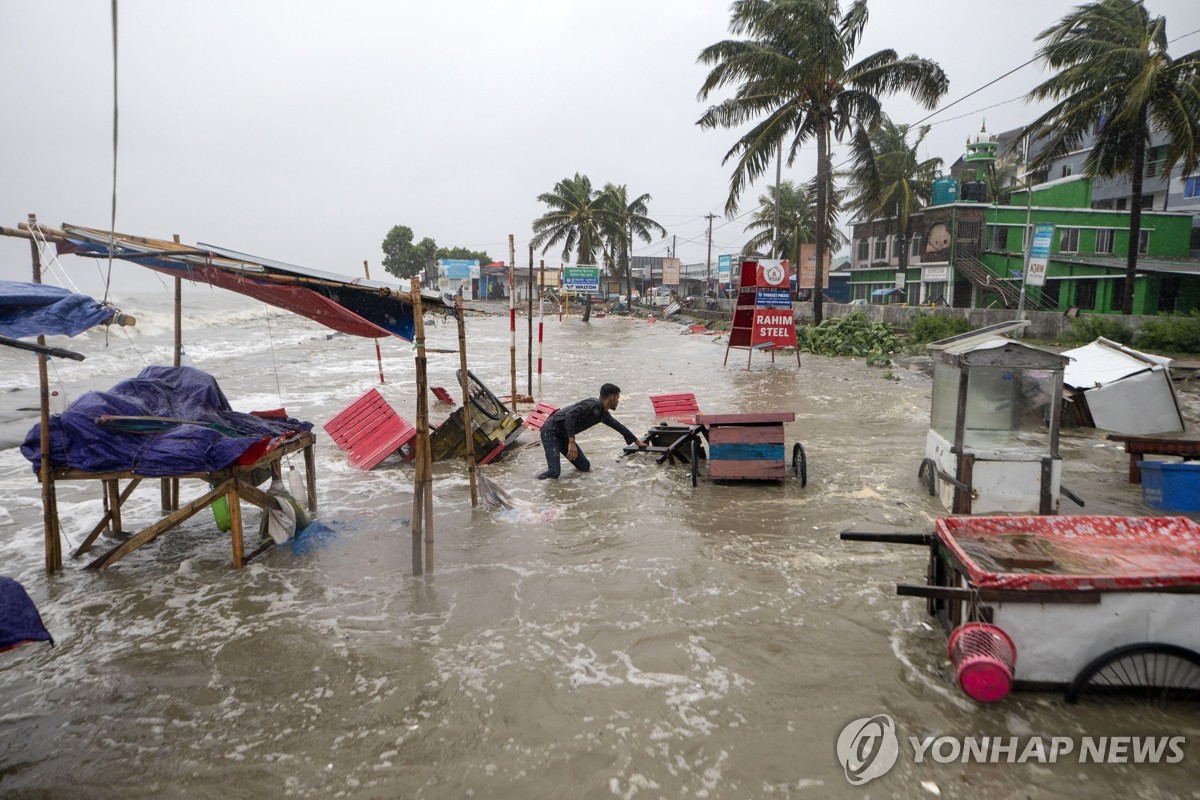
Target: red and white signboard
pixel 774 326
pixel 773 272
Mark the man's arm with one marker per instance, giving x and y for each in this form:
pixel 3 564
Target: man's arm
pixel 611 421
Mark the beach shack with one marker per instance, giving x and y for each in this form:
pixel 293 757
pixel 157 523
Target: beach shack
pixel 992 446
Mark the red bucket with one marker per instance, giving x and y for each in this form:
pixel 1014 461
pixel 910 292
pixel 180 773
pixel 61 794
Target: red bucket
pixel 984 657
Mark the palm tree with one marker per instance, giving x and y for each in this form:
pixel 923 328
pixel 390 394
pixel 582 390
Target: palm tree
pixel 888 179
pixel 797 220
pixel 795 71
pixel 573 219
pixel 621 220
pixel 1115 79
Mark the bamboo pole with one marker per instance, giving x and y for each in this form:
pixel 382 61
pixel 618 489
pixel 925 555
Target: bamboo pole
pixel 50 531
pixel 529 341
pixel 422 519
pixel 378 355
pixel 512 314
pixel 541 320
pixel 465 380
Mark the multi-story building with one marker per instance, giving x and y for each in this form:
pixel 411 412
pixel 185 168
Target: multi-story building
pixel 967 252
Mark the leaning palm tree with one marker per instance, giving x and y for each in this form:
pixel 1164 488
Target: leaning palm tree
pixel 797 220
pixel 888 179
pixel 573 219
pixel 794 70
pixel 622 219
pixel 1116 80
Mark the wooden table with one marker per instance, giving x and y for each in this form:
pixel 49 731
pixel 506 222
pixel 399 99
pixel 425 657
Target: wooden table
pixel 231 483
pixel 1183 444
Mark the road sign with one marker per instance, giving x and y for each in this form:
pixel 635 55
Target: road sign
pixel 1039 254
pixel 581 279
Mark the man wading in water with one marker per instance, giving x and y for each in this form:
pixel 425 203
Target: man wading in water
pixel 558 432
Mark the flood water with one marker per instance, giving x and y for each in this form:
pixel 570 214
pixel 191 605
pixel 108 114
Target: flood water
pixel 623 635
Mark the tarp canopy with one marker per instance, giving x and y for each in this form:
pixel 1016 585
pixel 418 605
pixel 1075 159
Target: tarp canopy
pixel 35 309
pixel 888 293
pixel 355 306
pixel 167 421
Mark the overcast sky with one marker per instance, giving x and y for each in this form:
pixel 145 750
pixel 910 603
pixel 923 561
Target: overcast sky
pixel 303 131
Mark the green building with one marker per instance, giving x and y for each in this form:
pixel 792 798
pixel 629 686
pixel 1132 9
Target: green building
pixel 968 253
pixel 971 255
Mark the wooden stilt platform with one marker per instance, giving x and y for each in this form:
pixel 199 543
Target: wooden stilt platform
pixel 232 483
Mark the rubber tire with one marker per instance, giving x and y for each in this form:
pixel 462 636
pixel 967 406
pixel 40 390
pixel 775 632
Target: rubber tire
pixel 1076 687
pixel 927 472
pixel 695 459
pixel 800 464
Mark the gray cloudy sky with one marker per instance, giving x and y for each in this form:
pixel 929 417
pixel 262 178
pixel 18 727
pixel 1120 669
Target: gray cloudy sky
pixel 303 131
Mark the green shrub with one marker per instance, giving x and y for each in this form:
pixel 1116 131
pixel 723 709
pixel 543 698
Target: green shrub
pixel 935 327
pixel 1090 327
pixel 1176 333
pixel 851 335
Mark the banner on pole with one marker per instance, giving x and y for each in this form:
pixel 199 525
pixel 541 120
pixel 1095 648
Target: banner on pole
pixel 670 269
pixel 1039 254
pixel 581 279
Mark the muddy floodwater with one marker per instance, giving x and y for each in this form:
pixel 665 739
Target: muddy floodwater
pixel 619 634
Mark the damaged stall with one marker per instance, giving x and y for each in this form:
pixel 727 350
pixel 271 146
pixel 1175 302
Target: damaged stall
pixel 992 445
pixel 1116 388
pixel 1096 607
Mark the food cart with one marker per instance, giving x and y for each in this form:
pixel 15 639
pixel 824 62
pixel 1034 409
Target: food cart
pixel 1093 606
pixel 992 445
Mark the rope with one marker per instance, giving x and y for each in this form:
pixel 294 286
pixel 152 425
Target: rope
pixel 112 232
pixel 274 365
pixel 131 344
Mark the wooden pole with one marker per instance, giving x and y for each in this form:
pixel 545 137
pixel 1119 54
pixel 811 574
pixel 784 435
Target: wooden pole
pixel 541 321
pixel 378 355
pixel 422 521
pixel 169 487
pixel 50 530
pixel 468 424
pixel 529 345
pixel 512 314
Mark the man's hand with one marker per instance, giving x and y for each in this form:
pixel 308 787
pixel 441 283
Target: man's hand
pixel 641 445
pixel 572 450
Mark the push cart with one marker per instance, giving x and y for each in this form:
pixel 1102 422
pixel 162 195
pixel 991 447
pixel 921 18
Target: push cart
pixel 1090 605
pixel 740 447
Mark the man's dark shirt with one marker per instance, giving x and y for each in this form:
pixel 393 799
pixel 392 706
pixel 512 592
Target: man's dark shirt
pixel 578 417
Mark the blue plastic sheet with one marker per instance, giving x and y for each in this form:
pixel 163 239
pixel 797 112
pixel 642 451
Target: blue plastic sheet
pixel 20 622
pixel 189 427
pixel 35 309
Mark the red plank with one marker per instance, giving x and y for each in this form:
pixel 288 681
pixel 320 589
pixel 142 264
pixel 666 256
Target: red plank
pixel 747 470
pixel 746 434
pixel 537 417
pixel 369 430
pixel 745 419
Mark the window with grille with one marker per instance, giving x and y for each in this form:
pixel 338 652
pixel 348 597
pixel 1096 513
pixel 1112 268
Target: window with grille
pixel 1085 294
pixel 897 246
pixel 1191 186
pixel 1156 159
pixel 864 249
pixel 1104 240
pixel 998 237
pixel 880 248
pixel 1068 240
pixel 916 246
pixel 1143 242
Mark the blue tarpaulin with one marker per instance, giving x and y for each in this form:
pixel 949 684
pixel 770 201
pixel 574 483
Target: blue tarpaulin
pixel 20 622
pixel 35 309
pixel 170 421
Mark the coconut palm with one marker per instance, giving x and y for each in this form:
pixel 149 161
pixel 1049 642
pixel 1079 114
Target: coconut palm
pixel 622 219
pixel 797 220
pixel 573 219
pixel 1115 80
pixel 887 178
pixel 796 81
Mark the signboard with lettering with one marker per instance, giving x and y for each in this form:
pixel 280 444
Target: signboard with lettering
pixel 774 326
pixel 581 279
pixel 1039 254
pixel 670 267
pixel 807 279
pixel 773 272
pixel 724 269
pixel 773 298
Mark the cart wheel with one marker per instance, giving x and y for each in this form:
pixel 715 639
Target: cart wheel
pixel 481 396
pixel 695 459
pixel 800 464
pixel 1151 674
pixel 927 473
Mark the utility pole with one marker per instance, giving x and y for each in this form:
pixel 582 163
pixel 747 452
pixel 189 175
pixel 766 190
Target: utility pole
pixel 708 261
pixel 673 238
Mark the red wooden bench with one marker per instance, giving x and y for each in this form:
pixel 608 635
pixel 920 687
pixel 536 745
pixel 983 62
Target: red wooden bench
pixel 537 417
pixel 370 430
pixel 442 395
pixel 681 406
